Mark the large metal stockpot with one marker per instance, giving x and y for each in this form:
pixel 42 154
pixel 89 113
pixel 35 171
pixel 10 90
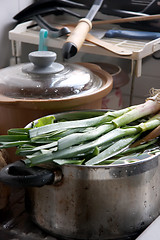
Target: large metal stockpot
pixel 90 202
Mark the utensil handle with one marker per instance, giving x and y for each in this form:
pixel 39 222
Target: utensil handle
pixel 75 41
pixel 19 175
pixel 127 19
pixel 108 46
pixel 131 34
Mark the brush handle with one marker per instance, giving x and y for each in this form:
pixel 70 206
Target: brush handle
pixel 127 34
pixel 75 41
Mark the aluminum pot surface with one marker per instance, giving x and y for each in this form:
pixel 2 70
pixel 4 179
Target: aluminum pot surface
pixel 93 202
pixel 98 202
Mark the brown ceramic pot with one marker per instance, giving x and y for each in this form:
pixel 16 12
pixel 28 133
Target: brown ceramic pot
pixel 29 91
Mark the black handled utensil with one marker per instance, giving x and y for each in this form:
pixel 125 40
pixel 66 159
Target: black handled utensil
pixel 53 32
pixel 78 35
pixel 46 7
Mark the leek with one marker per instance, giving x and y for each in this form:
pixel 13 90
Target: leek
pixel 77 123
pixel 100 139
pixel 110 151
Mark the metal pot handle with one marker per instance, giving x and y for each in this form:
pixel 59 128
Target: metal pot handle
pixel 18 174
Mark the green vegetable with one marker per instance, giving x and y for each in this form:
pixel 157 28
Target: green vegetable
pixel 111 151
pixel 44 121
pixel 77 124
pixel 119 133
pixel 100 139
pixel 77 138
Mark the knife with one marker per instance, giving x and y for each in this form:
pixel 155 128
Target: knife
pixel 142 35
pixel 78 35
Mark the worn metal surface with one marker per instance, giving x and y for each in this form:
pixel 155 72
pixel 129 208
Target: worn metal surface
pixel 15 223
pixel 98 202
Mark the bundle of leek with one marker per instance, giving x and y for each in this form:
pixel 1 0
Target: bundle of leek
pixel 103 139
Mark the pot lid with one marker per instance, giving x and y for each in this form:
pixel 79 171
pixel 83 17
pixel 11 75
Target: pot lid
pixel 43 78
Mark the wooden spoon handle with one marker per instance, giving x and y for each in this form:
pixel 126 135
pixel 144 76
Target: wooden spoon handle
pixel 124 20
pixel 108 46
pixel 129 19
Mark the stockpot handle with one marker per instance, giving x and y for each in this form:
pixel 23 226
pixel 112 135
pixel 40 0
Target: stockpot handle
pixel 19 175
